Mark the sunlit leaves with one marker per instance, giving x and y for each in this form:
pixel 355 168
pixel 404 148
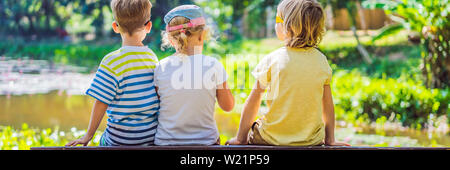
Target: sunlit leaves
pixel 380 98
pixel 24 138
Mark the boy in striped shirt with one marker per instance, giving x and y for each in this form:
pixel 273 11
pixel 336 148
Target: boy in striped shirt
pixel 123 85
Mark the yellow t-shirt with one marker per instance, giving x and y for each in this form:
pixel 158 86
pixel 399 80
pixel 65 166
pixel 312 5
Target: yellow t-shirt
pixel 294 79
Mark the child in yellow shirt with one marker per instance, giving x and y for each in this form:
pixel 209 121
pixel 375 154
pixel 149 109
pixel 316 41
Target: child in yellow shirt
pixel 297 78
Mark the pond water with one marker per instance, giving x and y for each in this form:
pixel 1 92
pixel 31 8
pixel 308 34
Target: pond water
pixel 59 109
pixel 47 110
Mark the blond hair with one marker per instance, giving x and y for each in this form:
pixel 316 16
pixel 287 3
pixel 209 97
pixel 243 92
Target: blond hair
pixel 131 15
pixel 304 22
pixel 180 37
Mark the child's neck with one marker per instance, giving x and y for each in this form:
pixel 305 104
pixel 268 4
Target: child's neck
pixel 190 51
pixel 131 41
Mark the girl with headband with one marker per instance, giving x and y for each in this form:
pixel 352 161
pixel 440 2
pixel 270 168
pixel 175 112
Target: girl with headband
pixel 189 83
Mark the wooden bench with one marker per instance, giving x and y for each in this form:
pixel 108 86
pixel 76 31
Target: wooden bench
pixel 236 147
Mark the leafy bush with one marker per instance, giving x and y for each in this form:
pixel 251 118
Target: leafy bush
pixel 23 139
pixel 358 97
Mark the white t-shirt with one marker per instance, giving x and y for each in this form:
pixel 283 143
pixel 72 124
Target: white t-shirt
pixel 187 88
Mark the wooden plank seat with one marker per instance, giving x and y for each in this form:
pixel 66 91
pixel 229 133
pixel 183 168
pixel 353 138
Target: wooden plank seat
pixel 236 147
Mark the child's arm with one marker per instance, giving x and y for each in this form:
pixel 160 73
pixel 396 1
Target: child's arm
pixel 225 97
pixel 329 118
pixel 157 94
pixel 96 117
pixel 251 108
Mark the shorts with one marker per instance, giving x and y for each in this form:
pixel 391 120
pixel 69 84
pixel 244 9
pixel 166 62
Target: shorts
pixel 103 141
pixel 254 137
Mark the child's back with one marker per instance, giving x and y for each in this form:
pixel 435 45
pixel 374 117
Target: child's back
pixel 124 81
pixel 187 106
pixel 297 77
pixel 123 85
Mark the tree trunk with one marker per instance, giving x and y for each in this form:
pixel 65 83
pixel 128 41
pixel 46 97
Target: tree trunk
pixel 330 15
pixel 160 9
pixel 31 28
pixel 17 18
pixel 100 23
pixel 351 8
pixel 46 7
pixel 362 17
pixel 362 50
pixel 238 12
pixel 3 18
pixel 437 60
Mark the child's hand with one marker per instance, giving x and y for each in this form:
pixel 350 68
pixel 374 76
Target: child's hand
pixel 234 141
pixel 83 141
pixel 334 143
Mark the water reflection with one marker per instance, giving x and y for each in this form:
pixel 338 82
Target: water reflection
pixel 47 111
pixel 19 77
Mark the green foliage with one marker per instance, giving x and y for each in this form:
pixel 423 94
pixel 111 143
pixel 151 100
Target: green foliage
pixel 388 31
pixel 81 55
pixel 85 54
pixel 357 96
pixel 404 69
pixel 430 19
pixel 347 57
pixel 23 139
pixel 233 16
pixel 41 17
pixel 221 17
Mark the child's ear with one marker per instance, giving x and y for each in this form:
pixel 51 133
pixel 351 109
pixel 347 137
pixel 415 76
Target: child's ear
pixel 171 42
pixel 148 27
pixel 115 27
pixel 280 32
pixel 203 36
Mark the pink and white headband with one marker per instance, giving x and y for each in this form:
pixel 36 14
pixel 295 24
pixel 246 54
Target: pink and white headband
pixel 193 23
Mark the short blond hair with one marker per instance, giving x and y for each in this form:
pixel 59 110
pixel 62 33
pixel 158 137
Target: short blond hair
pixel 304 22
pixel 131 15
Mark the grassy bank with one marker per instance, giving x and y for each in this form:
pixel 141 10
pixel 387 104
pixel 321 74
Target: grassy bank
pixel 24 138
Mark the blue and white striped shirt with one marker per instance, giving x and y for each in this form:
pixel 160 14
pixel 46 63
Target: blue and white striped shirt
pixel 124 81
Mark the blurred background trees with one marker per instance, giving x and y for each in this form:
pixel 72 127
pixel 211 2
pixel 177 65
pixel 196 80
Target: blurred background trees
pixel 237 19
pixel 75 20
pixel 428 21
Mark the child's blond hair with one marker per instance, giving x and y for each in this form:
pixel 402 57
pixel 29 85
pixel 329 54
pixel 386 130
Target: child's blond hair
pixel 131 15
pixel 179 38
pixel 304 22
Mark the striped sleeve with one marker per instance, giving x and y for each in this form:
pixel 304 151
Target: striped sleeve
pixel 104 86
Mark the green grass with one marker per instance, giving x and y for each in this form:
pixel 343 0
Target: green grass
pixel 26 137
